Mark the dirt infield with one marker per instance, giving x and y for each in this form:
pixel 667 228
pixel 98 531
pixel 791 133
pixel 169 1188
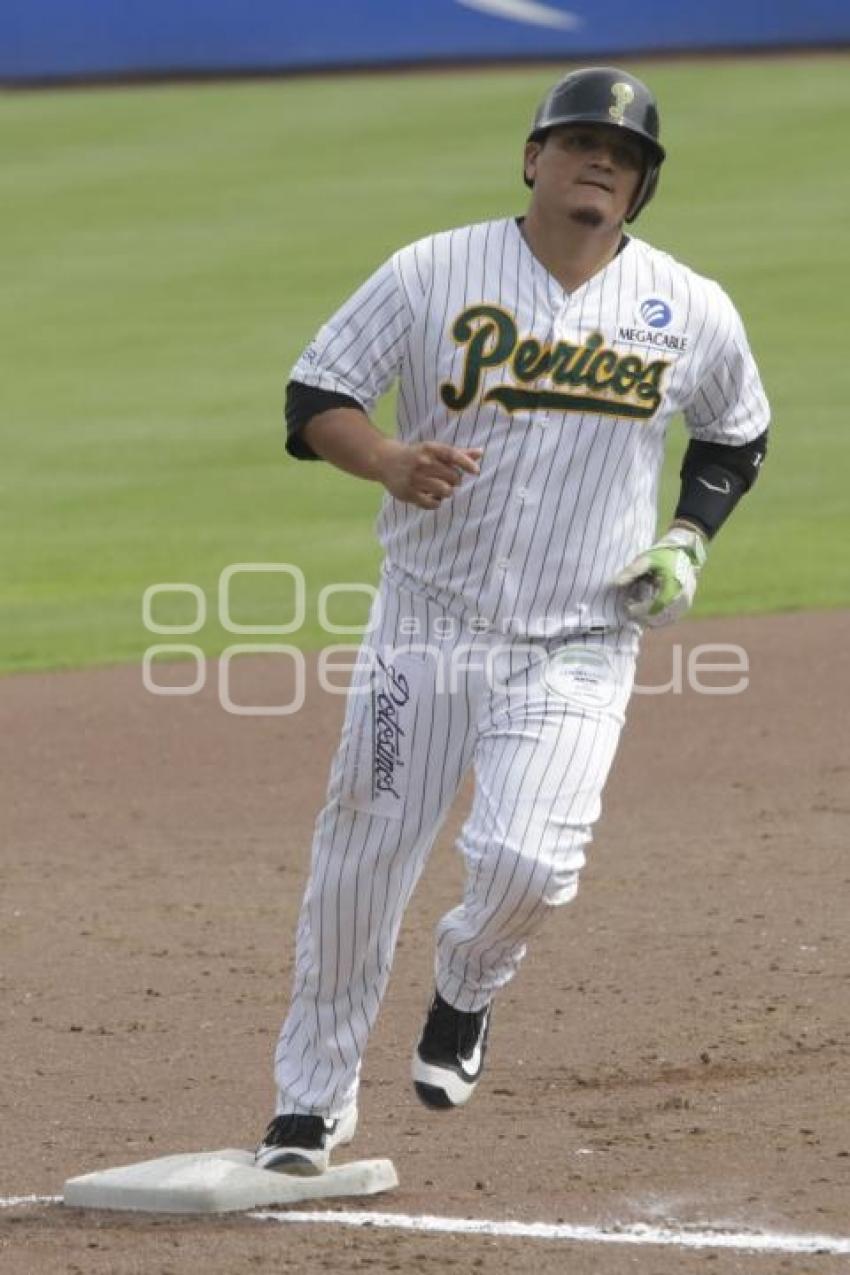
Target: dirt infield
pixel 675 1049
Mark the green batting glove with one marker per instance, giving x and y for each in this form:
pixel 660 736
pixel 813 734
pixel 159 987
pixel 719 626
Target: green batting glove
pixel 661 582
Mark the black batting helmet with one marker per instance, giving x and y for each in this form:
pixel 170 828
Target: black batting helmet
pixel 606 95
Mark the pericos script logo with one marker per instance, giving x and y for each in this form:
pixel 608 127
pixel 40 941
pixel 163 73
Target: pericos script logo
pixel 655 312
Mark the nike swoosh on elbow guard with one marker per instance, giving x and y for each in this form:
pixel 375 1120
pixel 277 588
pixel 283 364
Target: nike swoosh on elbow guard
pixel 724 490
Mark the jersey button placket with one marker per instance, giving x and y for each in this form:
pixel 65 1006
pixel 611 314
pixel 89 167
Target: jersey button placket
pixel 517 507
pixel 541 418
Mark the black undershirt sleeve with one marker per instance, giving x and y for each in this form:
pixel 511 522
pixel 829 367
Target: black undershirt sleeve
pixel 303 402
pixel 714 478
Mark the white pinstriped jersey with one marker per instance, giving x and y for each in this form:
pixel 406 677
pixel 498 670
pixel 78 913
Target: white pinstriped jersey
pixel 569 395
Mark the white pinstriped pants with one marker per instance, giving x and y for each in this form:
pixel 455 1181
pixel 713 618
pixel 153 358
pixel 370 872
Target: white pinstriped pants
pixel 540 723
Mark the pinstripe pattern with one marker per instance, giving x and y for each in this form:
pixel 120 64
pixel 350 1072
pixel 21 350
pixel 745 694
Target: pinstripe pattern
pixel 565 498
pixel 540 762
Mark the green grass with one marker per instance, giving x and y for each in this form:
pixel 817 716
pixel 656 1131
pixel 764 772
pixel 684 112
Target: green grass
pixel 168 252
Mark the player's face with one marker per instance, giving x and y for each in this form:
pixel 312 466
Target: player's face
pixel 587 172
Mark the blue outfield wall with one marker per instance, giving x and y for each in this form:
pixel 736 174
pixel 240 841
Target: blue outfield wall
pixel 43 39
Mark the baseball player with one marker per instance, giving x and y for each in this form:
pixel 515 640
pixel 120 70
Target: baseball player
pixel 539 360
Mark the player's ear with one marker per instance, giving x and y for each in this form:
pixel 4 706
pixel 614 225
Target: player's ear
pixel 529 163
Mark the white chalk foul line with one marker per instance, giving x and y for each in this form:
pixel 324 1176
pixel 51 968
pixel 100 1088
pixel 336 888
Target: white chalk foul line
pixel 18 1201
pixel 637 1234
pixel 640 1233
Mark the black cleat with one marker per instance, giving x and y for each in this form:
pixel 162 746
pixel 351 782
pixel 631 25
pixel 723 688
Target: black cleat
pixel 449 1058
pixel 303 1144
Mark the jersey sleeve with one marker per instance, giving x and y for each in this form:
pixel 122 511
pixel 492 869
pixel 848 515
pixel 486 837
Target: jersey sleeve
pixel 728 403
pixel 359 350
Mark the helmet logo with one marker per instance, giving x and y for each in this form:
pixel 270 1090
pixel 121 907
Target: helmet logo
pixel 623 94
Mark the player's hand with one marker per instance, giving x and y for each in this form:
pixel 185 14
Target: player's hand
pixel 425 474
pixel 661 582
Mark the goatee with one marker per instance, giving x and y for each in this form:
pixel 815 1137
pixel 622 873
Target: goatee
pixel 587 216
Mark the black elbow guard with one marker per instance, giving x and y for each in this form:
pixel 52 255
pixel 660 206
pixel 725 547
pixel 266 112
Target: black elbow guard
pixel 714 478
